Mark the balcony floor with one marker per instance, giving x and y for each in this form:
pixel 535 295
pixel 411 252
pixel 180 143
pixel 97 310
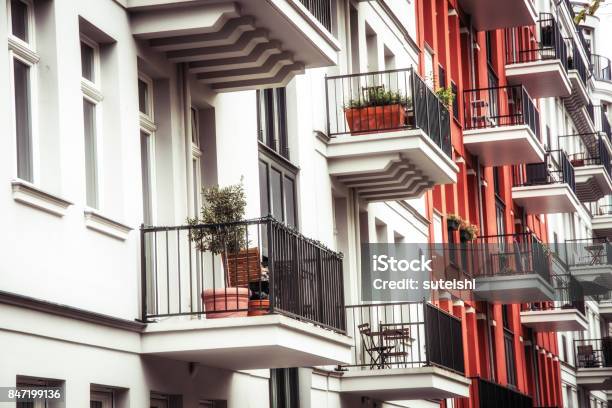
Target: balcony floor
pixel 554 320
pixel 594 278
pixel 516 288
pixel 391 165
pixel 405 383
pixel 542 79
pixel 241 343
pixel 602 225
pixel 599 378
pixel 504 145
pixel 546 199
pixel 592 183
pixel 492 14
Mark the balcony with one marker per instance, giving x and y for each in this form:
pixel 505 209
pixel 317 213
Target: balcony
pixel 601 223
pixel 513 268
pixel 486 394
pixel 540 66
pixel 566 313
pixel 592 166
pixel 208 299
pixel 578 73
pixel 601 68
pixel 502 126
pixel 546 188
pixel 493 14
pixel 594 363
pixel 404 351
pixel 590 262
pixel 605 306
pixel 389 135
pixel 241 44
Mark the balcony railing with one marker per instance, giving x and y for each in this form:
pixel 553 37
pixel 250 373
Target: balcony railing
pixel 321 10
pixel 601 67
pixel 593 353
pixel 386 101
pixel 596 154
pixel 588 251
pixel 404 335
pixel 500 106
pixel 556 169
pixel 487 394
pixel 551 45
pixel 568 295
pixel 604 209
pixel 281 272
pixel 575 62
pixel 513 254
pixel 604 124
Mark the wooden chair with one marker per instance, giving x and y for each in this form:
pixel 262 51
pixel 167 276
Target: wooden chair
pixel 587 357
pixel 242 267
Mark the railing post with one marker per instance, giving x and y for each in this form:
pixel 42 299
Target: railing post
pixel 327 105
pixel 271 265
pixel 143 275
pixel 427 345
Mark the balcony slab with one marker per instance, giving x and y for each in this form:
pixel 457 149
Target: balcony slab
pixel 599 378
pixel 592 182
pixel 241 343
pixel 602 225
pixel 513 288
pixel 554 320
pixel 542 79
pixel 504 145
pixel 492 14
pixel 546 198
pixel 390 165
pixel 405 383
pixel 594 278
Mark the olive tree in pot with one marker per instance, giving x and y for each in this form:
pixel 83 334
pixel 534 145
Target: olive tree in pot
pixel 222 233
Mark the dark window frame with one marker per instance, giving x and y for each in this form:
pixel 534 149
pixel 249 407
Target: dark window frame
pixel 287 170
pixel 272 120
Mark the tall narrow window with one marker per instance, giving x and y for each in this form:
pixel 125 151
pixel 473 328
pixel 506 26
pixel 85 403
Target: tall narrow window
pixel 145 161
pixel 277 190
pixel 101 399
pixel 196 157
pixel 92 97
pixel 147 132
pixel 284 388
pixel 272 119
pixel 23 62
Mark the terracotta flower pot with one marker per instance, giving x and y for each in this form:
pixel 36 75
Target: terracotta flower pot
pixel 259 307
pixel 217 301
pixel 374 118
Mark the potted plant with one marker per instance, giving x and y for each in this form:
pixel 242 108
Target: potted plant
pixel 468 232
pixel 223 209
pixel 446 96
pixel 378 109
pixel 453 221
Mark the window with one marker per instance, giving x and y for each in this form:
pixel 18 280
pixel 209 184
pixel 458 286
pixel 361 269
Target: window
pixel 284 388
pixel 272 119
pixel 34 383
pixel 196 156
pixel 92 97
pixel 23 60
pixel 510 361
pixel 101 399
pixel 147 139
pixel 455 92
pixel 277 190
pixel 166 401
pixel 441 76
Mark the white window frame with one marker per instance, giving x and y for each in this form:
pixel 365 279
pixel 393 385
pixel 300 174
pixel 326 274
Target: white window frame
pixel 150 116
pixel 92 92
pixel 25 52
pixel 196 156
pixel 148 126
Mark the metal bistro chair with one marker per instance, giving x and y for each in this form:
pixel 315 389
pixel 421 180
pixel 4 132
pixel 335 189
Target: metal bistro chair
pixel 587 357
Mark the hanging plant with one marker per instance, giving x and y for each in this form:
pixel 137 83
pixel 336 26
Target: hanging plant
pixel 468 232
pixel 453 221
pixel 446 95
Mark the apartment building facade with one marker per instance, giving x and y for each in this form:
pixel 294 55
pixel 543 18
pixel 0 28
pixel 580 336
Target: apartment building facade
pixel 119 112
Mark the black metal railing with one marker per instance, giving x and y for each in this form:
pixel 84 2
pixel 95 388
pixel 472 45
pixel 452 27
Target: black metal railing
pixel 604 209
pixel 603 124
pixel 321 10
pixel 591 111
pixel 551 45
pixel 500 106
pixel 593 353
pixel 487 394
pixel 577 63
pixel 385 101
pixel 569 294
pixel 556 169
pixel 588 251
pixel 594 154
pixel 601 67
pixel 513 254
pixel 404 335
pixel 249 267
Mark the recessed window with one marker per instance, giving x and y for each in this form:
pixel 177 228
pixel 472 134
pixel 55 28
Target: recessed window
pixel 277 190
pixel 272 119
pixel 23 120
pixel 284 388
pixel 88 55
pixel 91 159
pixel 101 399
pixel 19 20
pixel 143 97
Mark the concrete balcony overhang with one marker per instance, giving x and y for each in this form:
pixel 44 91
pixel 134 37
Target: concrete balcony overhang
pixel 580 94
pixel 504 145
pixel 492 14
pixel 391 165
pixel 592 183
pixel 546 198
pixel 241 343
pixel 405 383
pixel 542 79
pixel 595 279
pixel 513 288
pixel 605 309
pixel 236 45
pixel 599 378
pixel 554 320
pixel 602 225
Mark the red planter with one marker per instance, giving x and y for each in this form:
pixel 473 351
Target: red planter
pixel 218 301
pixel 374 118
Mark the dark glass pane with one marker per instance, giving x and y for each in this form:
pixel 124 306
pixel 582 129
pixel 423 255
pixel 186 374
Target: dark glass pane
pixel 290 202
pixel 19 19
pixel 145 162
pixel 143 97
pixel 87 61
pixel 281 106
pixel 264 191
pixel 91 173
pixel 95 404
pixel 276 186
pixel 23 120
